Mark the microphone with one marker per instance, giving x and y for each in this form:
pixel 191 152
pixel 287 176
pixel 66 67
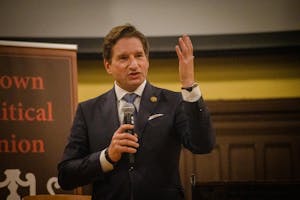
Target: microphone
pixel 128 110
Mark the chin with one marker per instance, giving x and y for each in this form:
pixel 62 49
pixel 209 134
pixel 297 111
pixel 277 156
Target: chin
pixel 136 82
pixel 134 85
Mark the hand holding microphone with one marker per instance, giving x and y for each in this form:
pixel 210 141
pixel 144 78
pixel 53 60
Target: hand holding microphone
pixel 124 139
pixel 128 111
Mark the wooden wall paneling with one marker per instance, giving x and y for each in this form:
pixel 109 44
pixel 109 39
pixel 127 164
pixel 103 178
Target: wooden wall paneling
pixel 256 140
pixel 296 158
pixel 208 166
pixel 259 148
pixel 224 148
pixel 278 161
pixel 242 162
pixel 186 170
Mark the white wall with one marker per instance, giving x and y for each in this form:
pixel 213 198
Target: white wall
pixel 93 18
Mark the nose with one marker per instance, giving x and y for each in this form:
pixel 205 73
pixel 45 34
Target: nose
pixel 133 63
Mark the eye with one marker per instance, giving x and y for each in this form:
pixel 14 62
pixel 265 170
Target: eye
pixel 123 57
pixel 139 55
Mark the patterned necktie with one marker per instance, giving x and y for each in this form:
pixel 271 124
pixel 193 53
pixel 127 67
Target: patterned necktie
pixel 129 98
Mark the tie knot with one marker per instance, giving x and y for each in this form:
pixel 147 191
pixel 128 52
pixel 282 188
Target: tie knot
pixel 130 97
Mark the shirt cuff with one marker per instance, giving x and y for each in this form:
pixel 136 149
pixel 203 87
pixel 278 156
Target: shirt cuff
pixel 192 96
pixel 106 166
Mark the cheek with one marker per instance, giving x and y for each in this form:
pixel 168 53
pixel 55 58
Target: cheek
pixel 121 74
pixel 146 67
pixel 146 70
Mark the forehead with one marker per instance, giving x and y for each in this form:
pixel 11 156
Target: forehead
pixel 127 45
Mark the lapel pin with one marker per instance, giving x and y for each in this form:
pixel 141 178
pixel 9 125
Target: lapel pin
pixel 153 99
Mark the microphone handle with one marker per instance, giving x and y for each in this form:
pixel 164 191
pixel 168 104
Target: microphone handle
pixel 129 119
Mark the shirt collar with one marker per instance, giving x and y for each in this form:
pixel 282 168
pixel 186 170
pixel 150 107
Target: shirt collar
pixel 121 92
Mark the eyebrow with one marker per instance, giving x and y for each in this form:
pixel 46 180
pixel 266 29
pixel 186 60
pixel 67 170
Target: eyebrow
pixel 125 53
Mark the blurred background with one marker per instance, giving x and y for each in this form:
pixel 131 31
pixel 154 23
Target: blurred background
pixel 244 49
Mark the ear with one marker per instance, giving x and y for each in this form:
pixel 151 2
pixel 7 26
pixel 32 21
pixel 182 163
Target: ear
pixel 107 66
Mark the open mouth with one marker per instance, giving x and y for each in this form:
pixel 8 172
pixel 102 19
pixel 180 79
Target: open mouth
pixel 134 74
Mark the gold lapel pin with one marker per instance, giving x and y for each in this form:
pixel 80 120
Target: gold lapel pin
pixel 153 99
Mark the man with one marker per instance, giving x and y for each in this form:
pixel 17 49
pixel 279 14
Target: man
pixel 99 146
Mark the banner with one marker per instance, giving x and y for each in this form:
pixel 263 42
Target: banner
pixel 38 96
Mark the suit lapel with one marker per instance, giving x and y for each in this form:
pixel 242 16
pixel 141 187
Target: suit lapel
pixel 149 101
pixel 110 113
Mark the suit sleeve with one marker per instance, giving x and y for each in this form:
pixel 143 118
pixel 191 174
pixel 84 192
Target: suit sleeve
pixel 78 167
pixel 194 126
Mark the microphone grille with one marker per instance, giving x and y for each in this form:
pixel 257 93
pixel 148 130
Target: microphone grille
pixel 128 108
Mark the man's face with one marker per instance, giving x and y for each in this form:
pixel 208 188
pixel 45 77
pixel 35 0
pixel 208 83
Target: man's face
pixel 129 64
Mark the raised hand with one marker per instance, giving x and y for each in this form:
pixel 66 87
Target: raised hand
pixel 184 51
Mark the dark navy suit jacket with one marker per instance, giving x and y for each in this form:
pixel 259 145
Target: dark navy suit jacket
pixel 156 170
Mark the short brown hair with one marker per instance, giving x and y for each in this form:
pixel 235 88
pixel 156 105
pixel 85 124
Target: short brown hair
pixel 119 32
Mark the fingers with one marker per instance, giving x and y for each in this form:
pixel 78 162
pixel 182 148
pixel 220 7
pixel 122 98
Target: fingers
pixel 178 52
pixel 184 51
pixel 184 47
pixel 125 146
pixel 188 42
pixel 127 143
pixel 125 139
pixel 124 127
pixel 122 142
